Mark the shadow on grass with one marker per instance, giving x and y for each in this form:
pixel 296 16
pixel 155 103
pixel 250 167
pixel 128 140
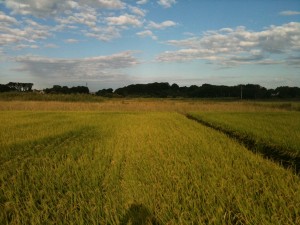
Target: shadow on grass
pixel 138 214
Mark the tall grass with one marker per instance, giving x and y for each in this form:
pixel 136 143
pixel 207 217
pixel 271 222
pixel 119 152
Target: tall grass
pixel 287 105
pixel 137 105
pixel 130 167
pixel 279 130
pixel 32 96
pixel 274 135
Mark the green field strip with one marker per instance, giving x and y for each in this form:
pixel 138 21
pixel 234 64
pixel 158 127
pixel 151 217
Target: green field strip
pixel 274 135
pixel 292 105
pixel 144 168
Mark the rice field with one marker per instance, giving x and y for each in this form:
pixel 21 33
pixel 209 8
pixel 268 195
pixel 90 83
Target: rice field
pixel 135 167
pixel 142 105
pixel 272 132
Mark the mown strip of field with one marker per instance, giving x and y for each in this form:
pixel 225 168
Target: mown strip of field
pixel 138 168
pixel 274 134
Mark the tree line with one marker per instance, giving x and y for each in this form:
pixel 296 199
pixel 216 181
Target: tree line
pixel 57 89
pixel 248 91
pixel 16 86
pixel 164 90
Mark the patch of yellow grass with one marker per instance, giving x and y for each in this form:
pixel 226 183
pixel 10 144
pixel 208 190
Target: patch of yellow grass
pixel 124 168
pixel 138 105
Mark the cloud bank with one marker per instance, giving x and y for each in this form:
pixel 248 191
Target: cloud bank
pixel 13 32
pixel 45 8
pixel 99 68
pixel 103 20
pixel 230 47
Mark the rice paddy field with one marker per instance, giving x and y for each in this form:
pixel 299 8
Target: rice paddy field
pixel 268 132
pixel 145 162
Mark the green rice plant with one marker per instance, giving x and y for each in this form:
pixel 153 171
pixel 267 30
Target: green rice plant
pixel 137 105
pixel 267 132
pixel 286 105
pixel 135 168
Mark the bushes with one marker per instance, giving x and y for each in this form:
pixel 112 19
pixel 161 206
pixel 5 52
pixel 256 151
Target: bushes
pixel 57 89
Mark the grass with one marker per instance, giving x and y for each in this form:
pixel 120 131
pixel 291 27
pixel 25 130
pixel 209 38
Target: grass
pixel 135 168
pixel 287 105
pixel 274 134
pixel 38 101
pixel 138 105
pixel 32 96
pixel 278 129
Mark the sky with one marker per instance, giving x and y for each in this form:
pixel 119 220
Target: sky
pixel 114 43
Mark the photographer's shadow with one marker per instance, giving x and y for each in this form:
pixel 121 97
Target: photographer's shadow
pixel 138 214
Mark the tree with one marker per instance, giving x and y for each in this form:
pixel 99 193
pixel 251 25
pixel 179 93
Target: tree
pixel 288 92
pixel 105 92
pixel 27 86
pixel 5 88
pixel 57 89
pixel 20 86
pixel 80 90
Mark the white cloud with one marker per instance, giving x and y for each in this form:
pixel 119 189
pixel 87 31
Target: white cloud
pixel 137 11
pixel 108 4
pixel 6 39
pixel 166 3
pixel 39 8
pixel 21 33
pixel 44 8
pixel 104 33
pixel 71 41
pixel 230 47
pixel 103 20
pixel 289 13
pixel 98 68
pixel 50 45
pixel 124 20
pixel 7 19
pixel 161 26
pixel 147 33
pixel 21 46
pixel 142 2
pixel 86 16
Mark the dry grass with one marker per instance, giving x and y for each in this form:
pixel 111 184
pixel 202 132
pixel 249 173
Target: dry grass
pixel 135 168
pixel 137 105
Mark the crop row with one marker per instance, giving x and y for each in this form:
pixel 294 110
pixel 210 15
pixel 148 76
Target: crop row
pixel 117 168
pixel 274 134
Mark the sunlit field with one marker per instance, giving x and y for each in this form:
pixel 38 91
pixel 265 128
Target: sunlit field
pixel 275 135
pixel 143 161
pixel 280 130
pixel 146 105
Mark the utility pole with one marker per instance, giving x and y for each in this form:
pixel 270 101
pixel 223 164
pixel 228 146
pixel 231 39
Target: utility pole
pixel 241 91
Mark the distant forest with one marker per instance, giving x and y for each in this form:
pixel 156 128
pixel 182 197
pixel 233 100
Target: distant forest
pixel 165 90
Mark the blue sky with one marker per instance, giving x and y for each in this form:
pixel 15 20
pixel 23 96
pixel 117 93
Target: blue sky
pixel 115 43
